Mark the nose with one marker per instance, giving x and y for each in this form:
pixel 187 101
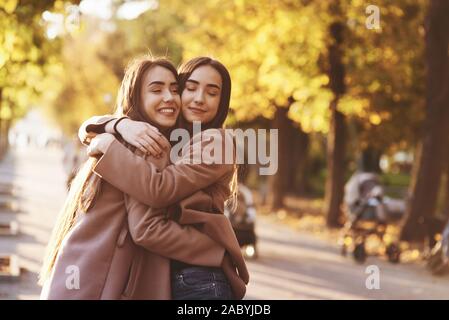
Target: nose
pixel 199 97
pixel 168 96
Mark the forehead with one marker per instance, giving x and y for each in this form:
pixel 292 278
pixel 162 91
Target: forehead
pixel 207 75
pixel 158 73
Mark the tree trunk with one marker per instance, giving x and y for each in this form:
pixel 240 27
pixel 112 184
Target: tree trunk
pixel 371 160
pixel 446 202
pixel 294 157
pixel 335 166
pixel 435 136
pixel 279 180
pixel 302 150
pixel 297 162
pixel 337 130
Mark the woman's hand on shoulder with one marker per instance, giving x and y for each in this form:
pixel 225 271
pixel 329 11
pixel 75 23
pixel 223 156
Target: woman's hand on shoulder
pixel 143 136
pixel 100 144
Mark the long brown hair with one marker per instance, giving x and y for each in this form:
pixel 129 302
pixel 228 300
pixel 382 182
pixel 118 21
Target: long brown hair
pixel 185 71
pixel 86 186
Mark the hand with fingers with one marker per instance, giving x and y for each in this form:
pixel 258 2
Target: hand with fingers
pixel 143 136
pixel 238 284
pixel 99 144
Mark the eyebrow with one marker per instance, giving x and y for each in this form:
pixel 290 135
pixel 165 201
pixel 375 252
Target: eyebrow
pixel 208 85
pixel 161 83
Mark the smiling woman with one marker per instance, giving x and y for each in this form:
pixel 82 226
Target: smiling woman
pixel 160 98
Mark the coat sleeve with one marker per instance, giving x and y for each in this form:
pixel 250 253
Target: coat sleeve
pixel 150 229
pixel 160 188
pixel 93 126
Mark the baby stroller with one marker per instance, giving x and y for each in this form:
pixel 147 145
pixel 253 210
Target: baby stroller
pixel 368 213
pixel 438 261
pixel 243 219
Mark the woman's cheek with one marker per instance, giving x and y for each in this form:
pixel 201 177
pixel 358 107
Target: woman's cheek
pixel 216 104
pixel 186 98
pixel 178 100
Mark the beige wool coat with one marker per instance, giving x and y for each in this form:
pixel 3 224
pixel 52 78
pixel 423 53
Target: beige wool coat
pixel 205 208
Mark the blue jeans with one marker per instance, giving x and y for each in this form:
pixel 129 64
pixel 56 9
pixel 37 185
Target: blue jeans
pixel 200 283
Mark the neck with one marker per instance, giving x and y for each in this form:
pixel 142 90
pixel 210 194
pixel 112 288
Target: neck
pixel 165 131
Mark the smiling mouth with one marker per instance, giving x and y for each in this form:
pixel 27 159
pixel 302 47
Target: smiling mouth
pixel 196 110
pixel 167 111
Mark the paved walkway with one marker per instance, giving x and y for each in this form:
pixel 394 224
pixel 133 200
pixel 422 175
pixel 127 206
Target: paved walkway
pixel 293 265
pixel 38 178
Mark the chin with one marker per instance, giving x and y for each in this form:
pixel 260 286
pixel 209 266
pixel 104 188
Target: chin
pixel 190 118
pixel 196 118
pixel 167 124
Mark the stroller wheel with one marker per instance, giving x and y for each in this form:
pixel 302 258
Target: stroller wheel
pixel 393 253
pixel 359 253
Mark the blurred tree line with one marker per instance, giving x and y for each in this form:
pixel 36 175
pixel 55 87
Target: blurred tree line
pixel 341 95
pixel 25 56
